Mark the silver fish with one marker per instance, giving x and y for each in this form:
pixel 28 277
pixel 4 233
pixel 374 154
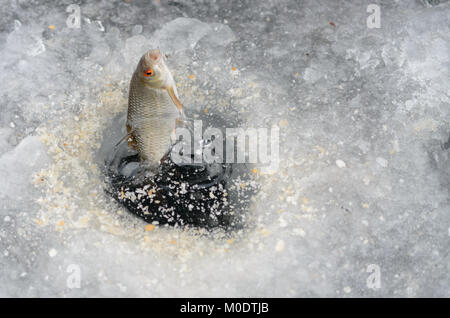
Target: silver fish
pixel 153 108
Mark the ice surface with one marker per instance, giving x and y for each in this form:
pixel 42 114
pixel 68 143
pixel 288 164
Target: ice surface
pixel 364 173
pixel 17 165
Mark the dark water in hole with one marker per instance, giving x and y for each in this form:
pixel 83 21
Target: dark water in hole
pixel 201 195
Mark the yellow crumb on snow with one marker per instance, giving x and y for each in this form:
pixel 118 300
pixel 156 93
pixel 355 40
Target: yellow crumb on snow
pixel 230 241
pixel 205 110
pixel 61 223
pixel 255 170
pixel 39 222
pixel 279 247
pixel 304 200
pixel 149 227
pixel 84 220
pixel 234 68
pixel 283 123
pixel 192 76
pixel 51 27
pixel 150 192
pixel 322 150
pixel 265 232
pixel 173 242
pixel 122 194
pixel 296 74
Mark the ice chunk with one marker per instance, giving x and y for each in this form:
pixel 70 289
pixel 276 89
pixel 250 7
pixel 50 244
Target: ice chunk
pixel 180 34
pixel 430 3
pixel 135 47
pixel 26 40
pixel 52 252
pixel 219 35
pixel 5 134
pixel 184 33
pixel 17 166
pixel 382 162
pixel 340 163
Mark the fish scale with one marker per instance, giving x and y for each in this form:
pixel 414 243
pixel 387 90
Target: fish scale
pixel 152 117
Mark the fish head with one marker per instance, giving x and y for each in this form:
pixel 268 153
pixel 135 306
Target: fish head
pixel 153 70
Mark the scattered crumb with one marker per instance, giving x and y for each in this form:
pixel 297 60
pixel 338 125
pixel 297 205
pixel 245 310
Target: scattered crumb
pixel 299 232
pixel 283 123
pixel 52 252
pixel 340 163
pixel 382 162
pixel 280 246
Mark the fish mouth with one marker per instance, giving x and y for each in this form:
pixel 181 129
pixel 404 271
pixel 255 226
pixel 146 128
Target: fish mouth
pixel 154 54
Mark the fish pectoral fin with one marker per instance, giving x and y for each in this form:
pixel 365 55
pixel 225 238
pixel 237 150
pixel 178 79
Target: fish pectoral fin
pixel 129 130
pixel 174 98
pixel 122 140
pixel 128 137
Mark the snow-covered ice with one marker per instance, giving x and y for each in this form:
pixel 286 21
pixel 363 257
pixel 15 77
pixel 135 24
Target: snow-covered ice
pixel 363 185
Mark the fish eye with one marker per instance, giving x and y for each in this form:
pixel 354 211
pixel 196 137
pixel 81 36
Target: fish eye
pixel 149 72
